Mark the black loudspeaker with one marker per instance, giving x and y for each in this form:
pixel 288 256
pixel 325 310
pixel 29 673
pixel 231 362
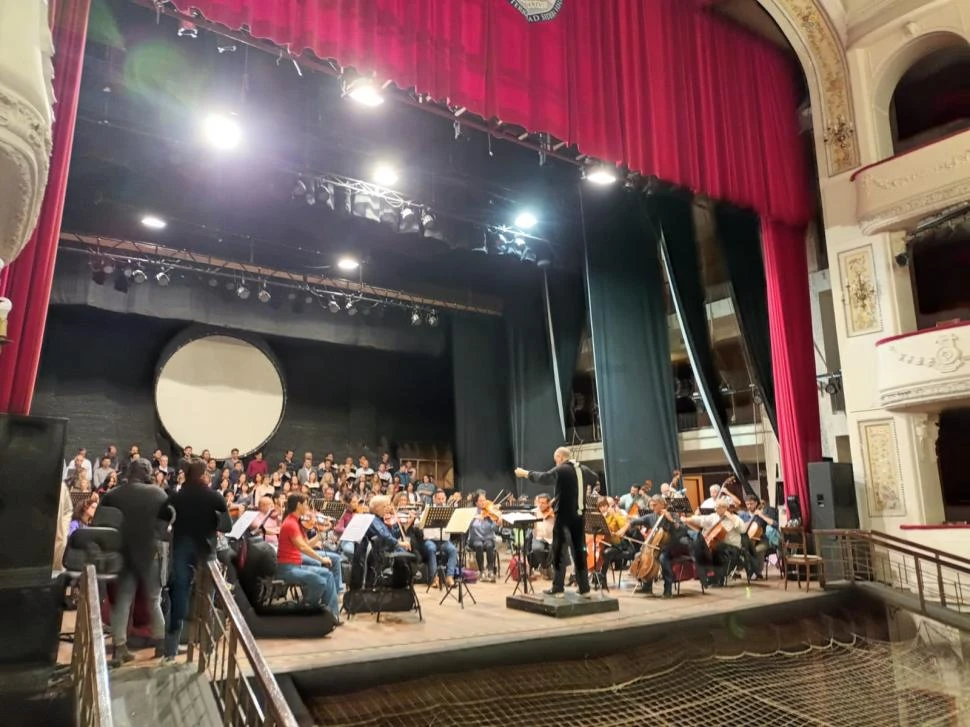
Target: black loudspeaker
pixel 31 469
pixel 30 622
pixel 832 492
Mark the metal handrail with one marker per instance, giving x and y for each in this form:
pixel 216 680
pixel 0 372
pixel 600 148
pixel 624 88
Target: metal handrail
pixel 89 664
pixel 939 580
pixel 217 634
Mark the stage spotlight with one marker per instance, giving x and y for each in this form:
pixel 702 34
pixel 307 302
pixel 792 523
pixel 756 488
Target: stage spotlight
pixel 230 285
pixel 323 193
pixel 300 188
pixel 308 299
pixel 108 267
pixel 406 212
pixel 385 175
pixel 348 264
pixel 433 319
pixel 121 280
pixel 242 291
pixel 187 29
pixel 601 174
pixel 520 241
pixel 415 318
pixel 291 295
pixel 333 306
pixel 428 219
pixel 264 295
pixel 98 276
pixel 162 278
pixel 528 256
pixel 364 91
pixel 525 220
pixel 213 282
pixel 139 276
pixel 222 131
pixel 153 223
pixel 351 308
pixel 902 259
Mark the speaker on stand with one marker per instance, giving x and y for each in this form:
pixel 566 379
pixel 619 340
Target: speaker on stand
pixel 833 506
pixel 31 600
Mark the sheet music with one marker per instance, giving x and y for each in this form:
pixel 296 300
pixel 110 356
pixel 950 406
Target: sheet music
pixel 357 528
pixel 461 520
pixel 517 517
pixel 242 525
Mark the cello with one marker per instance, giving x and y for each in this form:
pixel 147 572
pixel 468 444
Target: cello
pixel 646 566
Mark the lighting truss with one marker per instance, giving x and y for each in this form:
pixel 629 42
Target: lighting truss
pixel 205 267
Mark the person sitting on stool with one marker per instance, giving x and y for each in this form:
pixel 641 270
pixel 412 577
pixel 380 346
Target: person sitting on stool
pixel 481 539
pixel 318 584
pixel 435 538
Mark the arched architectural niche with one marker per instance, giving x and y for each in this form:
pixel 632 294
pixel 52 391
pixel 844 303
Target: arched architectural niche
pixel 820 50
pixel 892 70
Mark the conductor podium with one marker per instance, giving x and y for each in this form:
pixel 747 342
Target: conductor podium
pixel 571 604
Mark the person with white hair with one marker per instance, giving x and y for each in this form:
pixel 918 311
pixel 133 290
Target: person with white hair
pixel 570 480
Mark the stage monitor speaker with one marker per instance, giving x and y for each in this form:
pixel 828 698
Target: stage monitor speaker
pixel 832 494
pixel 31 470
pixel 31 624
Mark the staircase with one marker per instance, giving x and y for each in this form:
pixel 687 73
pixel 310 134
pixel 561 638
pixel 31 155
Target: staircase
pixel 162 696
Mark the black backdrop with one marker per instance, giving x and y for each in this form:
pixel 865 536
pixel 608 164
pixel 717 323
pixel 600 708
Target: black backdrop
pixel 97 368
pixel 483 438
pixel 631 343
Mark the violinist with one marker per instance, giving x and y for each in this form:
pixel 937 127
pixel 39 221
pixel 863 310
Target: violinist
pixel 481 537
pixel 353 507
pixel 760 533
pixel 677 543
pixel 435 541
pixel 720 540
pixel 626 502
pixel 616 549
pixel 316 528
pixel 540 549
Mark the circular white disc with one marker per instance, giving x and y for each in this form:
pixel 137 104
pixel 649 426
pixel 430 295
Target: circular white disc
pixel 219 393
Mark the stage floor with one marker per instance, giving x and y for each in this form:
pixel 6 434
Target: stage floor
pixel 489 623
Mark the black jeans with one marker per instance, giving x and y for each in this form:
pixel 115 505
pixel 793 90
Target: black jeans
pixel 480 552
pixel 567 534
pixel 540 554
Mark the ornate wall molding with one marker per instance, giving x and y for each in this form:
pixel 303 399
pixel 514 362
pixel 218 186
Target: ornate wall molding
pixel 880 453
pixel 925 396
pixel 25 121
pixel 947 358
pixel 860 294
pixel 809 27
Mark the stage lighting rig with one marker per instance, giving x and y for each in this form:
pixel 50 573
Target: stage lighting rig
pixel 264 296
pixel 139 276
pixel 526 220
pixel 162 277
pixel 153 222
pixel 243 291
pixel 415 318
pixel 351 307
pixel 364 91
pixel 600 174
pixel 333 306
pixel 433 319
pixel 222 131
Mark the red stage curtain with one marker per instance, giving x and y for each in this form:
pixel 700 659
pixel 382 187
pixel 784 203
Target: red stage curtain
pixel 793 362
pixel 27 281
pixel 661 86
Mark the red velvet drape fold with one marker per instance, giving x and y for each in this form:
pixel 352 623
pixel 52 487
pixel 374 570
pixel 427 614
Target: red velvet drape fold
pixel 27 281
pixel 661 86
pixel 792 357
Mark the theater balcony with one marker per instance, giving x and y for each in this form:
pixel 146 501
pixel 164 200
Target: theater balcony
pixel 896 193
pixel 925 371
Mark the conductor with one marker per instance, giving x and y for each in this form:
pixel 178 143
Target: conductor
pixel 570 480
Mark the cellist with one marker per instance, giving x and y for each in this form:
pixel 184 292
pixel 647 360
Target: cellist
pixel 719 541
pixel 676 545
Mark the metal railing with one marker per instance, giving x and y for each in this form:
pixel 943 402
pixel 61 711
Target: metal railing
pixel 89 663
pixel 939 580
pixel 245 690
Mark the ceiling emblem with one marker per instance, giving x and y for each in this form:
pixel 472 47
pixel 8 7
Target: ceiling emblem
pixel 537 11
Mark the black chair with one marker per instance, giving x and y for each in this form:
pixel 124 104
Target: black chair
pixel 381 581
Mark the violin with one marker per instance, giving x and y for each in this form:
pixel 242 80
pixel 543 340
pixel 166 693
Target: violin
pixel 491 511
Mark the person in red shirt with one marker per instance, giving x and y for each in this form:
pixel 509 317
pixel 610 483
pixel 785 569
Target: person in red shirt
pixel 318 583
pixel 257 466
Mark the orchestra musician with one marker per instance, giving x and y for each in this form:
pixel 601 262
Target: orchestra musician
pixel 316 528
pixel 435 540
pixel 540 547
pixel 720 540
pixel 760 533
pixel 378 532
pixel 677 543
pixel 616 549
pixel 570 479
pixel 481 537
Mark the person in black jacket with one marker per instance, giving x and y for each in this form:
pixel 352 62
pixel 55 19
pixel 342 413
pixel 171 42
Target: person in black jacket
pixel 570 480
pixel 141 503
pixel 677 544
pixel 199 512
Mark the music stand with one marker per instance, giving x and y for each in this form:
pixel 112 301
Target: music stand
pixel 596 525
pixel 458 524
pixel 520 522
pixel 333 510
pixel 679 505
